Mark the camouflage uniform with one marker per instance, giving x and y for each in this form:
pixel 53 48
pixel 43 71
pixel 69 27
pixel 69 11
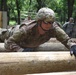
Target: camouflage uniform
pixel 74 31
pixel 68 28
pixel 28 37
pixel 6 33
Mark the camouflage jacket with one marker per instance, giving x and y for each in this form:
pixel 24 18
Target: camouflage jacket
pixel 6 33
pixel 68 28
pixel 27 36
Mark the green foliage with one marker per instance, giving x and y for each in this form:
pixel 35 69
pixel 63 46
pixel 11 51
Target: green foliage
pixel 30 7
pixel 12 23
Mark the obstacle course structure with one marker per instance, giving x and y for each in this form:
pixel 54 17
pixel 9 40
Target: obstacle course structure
pixel 3 19
pixel 39 62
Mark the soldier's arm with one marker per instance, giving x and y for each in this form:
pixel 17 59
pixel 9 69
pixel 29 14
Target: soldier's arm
pixel 64 26
pixel 61 35
pixel 65 39
pixel 11 42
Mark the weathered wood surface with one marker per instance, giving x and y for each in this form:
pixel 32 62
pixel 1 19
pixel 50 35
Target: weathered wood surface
pixel 0 19
pixel 36 62
pixel 52 47
pixel 49 46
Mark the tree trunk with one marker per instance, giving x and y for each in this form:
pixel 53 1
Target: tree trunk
pixel 18 11
pixel 3 5
pixel 41 3
pixel 70 8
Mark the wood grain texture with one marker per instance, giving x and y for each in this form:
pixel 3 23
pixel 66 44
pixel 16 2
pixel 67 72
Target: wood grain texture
pixel 36 62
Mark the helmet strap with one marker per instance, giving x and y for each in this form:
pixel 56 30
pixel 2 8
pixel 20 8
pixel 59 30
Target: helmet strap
pixel 42 27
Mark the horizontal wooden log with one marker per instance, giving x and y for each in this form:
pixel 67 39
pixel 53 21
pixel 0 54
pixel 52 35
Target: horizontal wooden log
pixel 49 46
pixel 36 62
pixel 53 45
pixel 56 73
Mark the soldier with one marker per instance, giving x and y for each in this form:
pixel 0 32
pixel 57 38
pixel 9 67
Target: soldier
pixel 6 33
pixel 37 32
pixel 74 31
pixel 68 27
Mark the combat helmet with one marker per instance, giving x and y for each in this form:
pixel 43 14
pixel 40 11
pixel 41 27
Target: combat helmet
pixel 46 14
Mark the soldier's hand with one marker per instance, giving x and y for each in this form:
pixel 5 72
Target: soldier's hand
pixel 73 50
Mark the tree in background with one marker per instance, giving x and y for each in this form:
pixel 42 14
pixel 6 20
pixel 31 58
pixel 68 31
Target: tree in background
pixel 15 8
pixel 70 7
pixel 18 10
pixel 3 5
pixel 41 3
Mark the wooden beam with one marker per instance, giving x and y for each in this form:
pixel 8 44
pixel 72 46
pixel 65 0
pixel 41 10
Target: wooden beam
pixel 0 19
pixel 36 62
pixel 4 17
pixel 49 46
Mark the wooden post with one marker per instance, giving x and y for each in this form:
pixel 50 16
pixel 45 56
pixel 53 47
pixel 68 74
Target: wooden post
pixel 3 19
pixel 0 19
pixel 36 62
pixel 44 47
pixel 50 46
pixel 4 16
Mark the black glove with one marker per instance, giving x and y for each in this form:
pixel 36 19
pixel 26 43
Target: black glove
pixel 73 50
pixel 28 50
